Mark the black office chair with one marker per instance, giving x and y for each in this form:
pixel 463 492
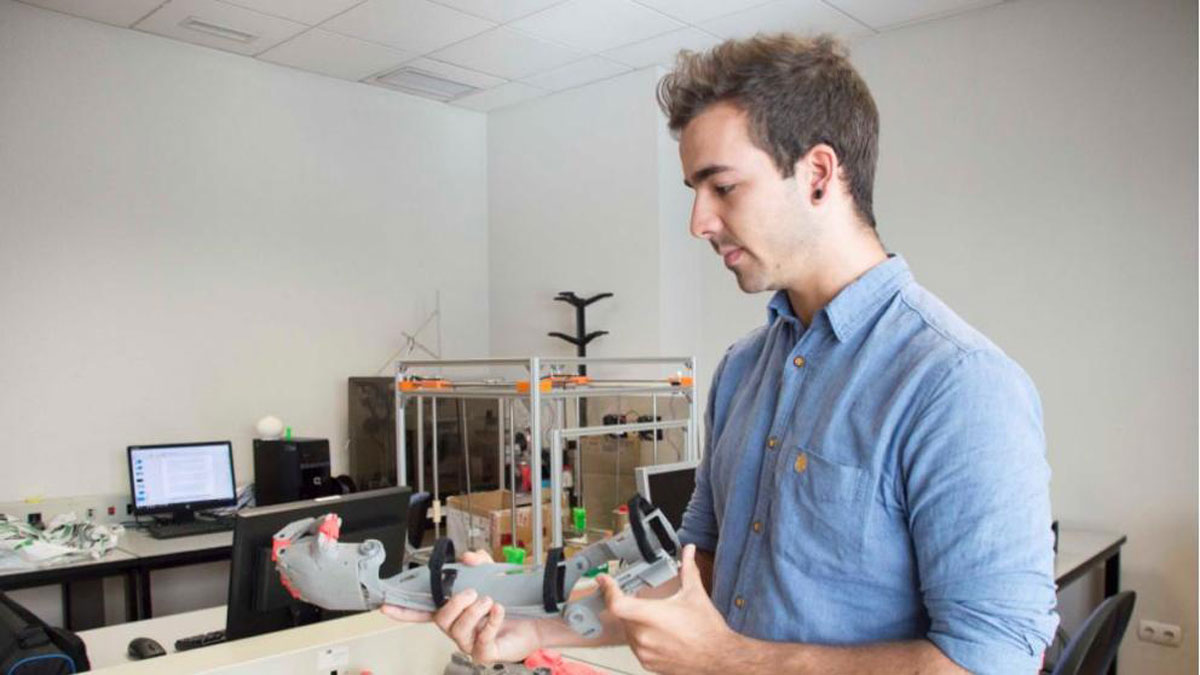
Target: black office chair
pixel 1094 647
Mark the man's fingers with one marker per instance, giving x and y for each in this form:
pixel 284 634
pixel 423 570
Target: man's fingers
pixel 448 614
pixel 473 558
pixel 486 638
pixel 620 605
pixel 689 573
pixel 405 614
pixel 467 624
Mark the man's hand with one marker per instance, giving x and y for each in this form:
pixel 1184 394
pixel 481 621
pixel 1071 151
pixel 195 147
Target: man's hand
pixel 476 624
pixel 682 633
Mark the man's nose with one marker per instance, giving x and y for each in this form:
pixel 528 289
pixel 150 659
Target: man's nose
pixel 704 222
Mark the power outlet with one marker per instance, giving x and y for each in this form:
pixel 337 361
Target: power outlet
pixel 1159 633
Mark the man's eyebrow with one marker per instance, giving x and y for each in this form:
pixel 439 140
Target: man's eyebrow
pixel 707 171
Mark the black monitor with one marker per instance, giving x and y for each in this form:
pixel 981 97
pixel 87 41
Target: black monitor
pixel 258 602
pixel 181 478
pixel 669 487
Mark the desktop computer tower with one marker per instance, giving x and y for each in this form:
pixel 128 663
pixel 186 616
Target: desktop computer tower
pixel 291 470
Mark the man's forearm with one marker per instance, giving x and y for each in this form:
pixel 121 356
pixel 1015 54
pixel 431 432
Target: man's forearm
pixel 555 634
pixel 915 657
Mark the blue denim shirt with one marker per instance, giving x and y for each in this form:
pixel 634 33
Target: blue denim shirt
pixel 878 475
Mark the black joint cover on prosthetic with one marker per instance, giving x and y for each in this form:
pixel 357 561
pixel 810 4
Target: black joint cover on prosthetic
pixel 637 507
pixel 440 582
pixel 553 579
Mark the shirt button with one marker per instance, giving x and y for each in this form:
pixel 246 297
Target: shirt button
pixel 772 442
pixel 739 601
pixel 798 361
pixel 758 526
pixel 801 463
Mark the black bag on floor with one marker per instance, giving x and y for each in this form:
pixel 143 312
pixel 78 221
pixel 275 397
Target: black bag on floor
pixel 28 646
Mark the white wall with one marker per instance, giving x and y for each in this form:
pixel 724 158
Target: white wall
pixel 573 206
pixel 191 239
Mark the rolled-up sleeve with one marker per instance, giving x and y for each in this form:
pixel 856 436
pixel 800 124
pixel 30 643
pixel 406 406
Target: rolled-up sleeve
pixel 700 519
pixel 978 494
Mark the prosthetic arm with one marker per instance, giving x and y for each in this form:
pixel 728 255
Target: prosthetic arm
pixel 315 568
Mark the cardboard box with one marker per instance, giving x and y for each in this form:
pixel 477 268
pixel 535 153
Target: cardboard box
pixel 617 456
pixel 485 521
pixel 603 492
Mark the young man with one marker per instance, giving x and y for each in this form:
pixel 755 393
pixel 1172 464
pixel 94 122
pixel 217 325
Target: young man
pixel 874 494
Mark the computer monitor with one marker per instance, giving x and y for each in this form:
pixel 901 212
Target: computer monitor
pixel 668 486
pixel 258 602
pixel 181 478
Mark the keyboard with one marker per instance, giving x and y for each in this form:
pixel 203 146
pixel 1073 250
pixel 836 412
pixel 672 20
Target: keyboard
pixel 201 640
pixel 172 530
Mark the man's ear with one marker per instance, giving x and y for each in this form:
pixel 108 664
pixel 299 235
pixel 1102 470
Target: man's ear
pixel 816 171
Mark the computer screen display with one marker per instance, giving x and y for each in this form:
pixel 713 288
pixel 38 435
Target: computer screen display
pixel 181 476
pixel 257 601
pixel 669 487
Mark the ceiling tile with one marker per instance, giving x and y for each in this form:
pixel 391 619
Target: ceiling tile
pixel 414 25
pixel 332 54
pixel 455 73
pixel 806 17
pixel 501 11
pixel 499 97
pixel 596 25
pixel 116 12
pixel 663 48
pixel 309 12
pixel 695 11
pixel 581 72
pixel 883 15
pixel 507 53
pixel 216 24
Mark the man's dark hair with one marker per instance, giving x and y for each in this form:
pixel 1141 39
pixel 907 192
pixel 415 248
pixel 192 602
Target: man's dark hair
pixel 797 92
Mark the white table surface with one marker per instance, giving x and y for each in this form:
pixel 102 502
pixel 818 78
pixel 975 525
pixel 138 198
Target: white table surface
pixel 142 545
pixel 374 641
pixel 113 555
pixel 1077 546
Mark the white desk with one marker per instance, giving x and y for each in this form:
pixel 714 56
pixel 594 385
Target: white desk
pixel 1079 551
pixel 154 554
pixel 82 593
pixel 373 642
pixel 142 545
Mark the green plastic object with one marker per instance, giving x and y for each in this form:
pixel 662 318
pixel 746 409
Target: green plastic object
pixel 287 434
pixel 596 571
pixel 514 555
pixel 579 515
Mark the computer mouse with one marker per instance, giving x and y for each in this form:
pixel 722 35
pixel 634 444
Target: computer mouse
pixel 145 648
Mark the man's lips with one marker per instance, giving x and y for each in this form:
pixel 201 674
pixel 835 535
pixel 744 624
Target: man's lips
pixel 732 256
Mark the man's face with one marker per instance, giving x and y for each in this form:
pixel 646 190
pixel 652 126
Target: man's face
pixel 753 217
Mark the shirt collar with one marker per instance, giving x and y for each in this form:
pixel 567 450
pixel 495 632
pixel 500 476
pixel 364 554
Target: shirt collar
pixel 854 303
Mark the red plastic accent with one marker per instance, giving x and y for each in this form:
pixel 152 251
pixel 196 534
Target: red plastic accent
pixel 624 508
pixel 278 545
pixel 288 585
pixel 330 527
pixel 545 658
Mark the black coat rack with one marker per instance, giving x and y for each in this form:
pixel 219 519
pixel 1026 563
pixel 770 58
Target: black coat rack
pixel 581 337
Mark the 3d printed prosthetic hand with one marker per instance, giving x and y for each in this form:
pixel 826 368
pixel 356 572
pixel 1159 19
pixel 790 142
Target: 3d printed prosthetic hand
pixel 315 568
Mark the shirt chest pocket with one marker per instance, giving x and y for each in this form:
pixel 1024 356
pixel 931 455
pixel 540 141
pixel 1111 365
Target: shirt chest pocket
pixel 821 511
